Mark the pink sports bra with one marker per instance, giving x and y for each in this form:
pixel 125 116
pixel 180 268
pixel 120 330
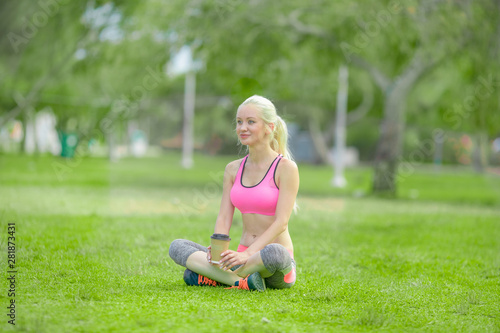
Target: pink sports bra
pixel 258 199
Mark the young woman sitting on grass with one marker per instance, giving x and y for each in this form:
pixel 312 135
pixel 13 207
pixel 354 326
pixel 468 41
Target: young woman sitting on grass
pixel 263 186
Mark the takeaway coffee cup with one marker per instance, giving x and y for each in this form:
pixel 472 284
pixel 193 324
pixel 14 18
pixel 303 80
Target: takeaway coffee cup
pixel 219 243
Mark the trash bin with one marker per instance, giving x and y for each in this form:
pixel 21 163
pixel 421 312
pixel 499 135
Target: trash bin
pixel 69 141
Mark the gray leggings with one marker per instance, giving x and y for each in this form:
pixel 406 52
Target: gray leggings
pixel 275 257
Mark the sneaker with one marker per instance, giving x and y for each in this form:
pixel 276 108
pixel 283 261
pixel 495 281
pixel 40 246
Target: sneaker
pixel 194 279
pixel 252 282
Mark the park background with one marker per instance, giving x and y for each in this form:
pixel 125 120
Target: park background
pixel 117 120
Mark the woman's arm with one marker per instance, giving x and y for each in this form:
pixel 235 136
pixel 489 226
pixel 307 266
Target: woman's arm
pixel 226 210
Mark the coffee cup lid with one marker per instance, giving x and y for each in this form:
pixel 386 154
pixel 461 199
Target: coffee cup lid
pixel 220 237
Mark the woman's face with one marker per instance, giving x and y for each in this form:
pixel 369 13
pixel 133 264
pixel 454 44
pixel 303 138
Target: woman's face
pixel 250 127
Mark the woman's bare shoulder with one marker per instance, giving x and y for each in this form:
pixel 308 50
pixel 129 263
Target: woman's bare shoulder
pixel 232 167
pixel 287 165
pixel 287 170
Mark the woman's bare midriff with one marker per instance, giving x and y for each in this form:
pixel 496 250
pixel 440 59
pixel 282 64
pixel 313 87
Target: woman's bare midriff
pixel 254 225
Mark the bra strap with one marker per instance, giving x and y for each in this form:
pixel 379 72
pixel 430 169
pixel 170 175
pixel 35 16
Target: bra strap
pixel 273 173
pixel 240 170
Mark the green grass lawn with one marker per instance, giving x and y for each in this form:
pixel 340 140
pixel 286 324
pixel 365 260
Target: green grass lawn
pixel 92 244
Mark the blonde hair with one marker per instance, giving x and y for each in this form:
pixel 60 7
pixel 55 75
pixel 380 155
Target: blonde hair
pixel 279 140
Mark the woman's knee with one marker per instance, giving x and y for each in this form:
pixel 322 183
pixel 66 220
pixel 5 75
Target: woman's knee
pixel 174 249
pixel 275 258
pixel 180 250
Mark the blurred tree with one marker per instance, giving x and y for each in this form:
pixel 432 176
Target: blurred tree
pixel 293 50
pixel 31 57
pixel 422 57
pixel 406 41
pixel 95 63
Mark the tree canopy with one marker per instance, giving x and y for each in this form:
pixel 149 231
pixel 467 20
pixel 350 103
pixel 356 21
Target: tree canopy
pixel 415 65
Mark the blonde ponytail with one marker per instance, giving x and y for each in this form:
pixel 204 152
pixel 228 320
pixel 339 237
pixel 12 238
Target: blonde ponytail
pixel 281 138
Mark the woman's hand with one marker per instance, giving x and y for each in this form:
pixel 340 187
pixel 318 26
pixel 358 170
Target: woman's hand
pixel 209 253
pixel 232 258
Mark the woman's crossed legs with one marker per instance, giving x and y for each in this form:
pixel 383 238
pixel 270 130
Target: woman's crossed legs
pixel 274 263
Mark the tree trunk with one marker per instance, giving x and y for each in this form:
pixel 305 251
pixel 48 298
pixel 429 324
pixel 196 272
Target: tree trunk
pixel 386 156
pixel 438 152
pixel 24 122
pixel 187 129
pixel 319 142
pixel 390 144
pixel 112 147
pixel 479 152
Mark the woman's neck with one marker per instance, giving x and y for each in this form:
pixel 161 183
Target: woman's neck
pixel 261 154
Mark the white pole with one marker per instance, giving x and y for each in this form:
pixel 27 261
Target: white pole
pixel 340 125
pixel 187 128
